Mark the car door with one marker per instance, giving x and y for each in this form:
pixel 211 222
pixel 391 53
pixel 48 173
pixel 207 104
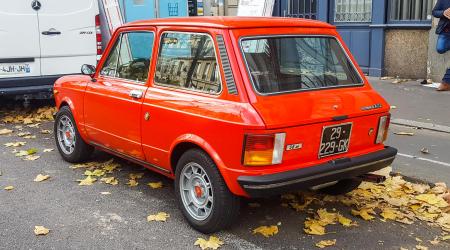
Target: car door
pixel 67 35
pixel 19 40
pixel 113 100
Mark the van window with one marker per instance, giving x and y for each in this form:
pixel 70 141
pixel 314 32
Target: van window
pixel 193 57
pixel 130 57
pixel 286 64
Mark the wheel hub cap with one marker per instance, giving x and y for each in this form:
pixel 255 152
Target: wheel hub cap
pixel 66 134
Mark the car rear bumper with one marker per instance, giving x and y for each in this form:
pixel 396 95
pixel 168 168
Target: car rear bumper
pixel 27 85
pixel 344 168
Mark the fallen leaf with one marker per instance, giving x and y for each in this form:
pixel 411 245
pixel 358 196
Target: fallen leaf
pixel 27 121
pixel 41 230
pixel 105 193
pixel 446 237
pixel 5 131
pixel 22 134
pixel 254 205
pixel 161 216
pixel 364 213
pixel 29 137
pixel 389 214
pixel 212 243
pixel 8 188
pixel 420 247
pixel 404 133
pixel 15 144
pixel 136 176
pixel 41 177
pixel 132 183
pixel 27 152
pixel 31 157
pixel 46 131
pixel 425 151
pixel 155 185
pixel 326 218
pixel 35 125
pixel 266 231
pixel 432 199
pixel 97 172
pixel 46 150
pixel 110 180
pixel 393 107
pixel 89 180
pixel 325 243
pixel 314 227
pixel 345 221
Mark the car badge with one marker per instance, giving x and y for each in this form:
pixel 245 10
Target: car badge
pixel 371 107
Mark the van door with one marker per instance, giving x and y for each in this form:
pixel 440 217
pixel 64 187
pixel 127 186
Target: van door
pixel 19 40
pixel 67 35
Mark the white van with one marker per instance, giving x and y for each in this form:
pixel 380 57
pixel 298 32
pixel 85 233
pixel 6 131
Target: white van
pixel 41 40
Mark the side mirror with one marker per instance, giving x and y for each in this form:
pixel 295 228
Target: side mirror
pixel 87 69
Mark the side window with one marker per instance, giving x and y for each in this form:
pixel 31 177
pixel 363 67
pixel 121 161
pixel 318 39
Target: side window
pixel 130 57
pixel 192 62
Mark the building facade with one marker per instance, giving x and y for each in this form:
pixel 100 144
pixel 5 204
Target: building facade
pixel 387 37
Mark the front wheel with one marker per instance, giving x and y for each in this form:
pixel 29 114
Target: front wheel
pixel 68 140
pixel 203 197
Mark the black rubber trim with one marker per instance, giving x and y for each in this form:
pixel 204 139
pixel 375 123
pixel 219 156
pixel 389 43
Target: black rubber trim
pixel 27 85
pixel 340 118
pixel 273 184
pixel 17 60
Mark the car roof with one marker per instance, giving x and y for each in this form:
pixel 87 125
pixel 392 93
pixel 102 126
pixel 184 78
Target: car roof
pixel 232 22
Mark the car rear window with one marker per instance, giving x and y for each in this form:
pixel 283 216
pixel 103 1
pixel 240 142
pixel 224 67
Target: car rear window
pixel 295 63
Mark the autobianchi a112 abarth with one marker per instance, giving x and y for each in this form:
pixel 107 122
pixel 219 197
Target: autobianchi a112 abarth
pixel 228 107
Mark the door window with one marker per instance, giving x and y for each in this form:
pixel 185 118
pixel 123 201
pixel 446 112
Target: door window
pixel 193 57
pixel 353 11
pixel 130 57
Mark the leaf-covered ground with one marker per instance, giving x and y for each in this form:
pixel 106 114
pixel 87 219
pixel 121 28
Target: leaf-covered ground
pixel 111 203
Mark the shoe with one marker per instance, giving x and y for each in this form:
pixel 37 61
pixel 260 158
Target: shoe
pixel 444 87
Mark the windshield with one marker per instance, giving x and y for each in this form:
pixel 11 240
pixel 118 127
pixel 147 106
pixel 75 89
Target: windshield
pixel 286 64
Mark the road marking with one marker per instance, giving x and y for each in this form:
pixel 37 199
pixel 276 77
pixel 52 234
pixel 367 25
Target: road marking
pixel 425 159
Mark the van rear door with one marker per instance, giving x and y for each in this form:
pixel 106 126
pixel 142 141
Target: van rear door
pixel 67 35
pixel 19 40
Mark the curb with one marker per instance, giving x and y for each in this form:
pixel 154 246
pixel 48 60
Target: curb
pixel 414 180
pixel 423 125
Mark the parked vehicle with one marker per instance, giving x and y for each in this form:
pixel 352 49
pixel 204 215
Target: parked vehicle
pixel 41 40
pixel 229 107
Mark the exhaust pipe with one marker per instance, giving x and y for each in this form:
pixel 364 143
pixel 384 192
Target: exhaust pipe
pixel 375 178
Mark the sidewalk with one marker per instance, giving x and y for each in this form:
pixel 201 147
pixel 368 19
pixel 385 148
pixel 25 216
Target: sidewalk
pixel 416 105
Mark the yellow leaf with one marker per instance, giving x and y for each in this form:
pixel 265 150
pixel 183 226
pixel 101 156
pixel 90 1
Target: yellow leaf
pixel 132 183
pixel 212 243
pixel 110 166
pixel 364 213
pixel 155 185
pixel 36 125
pixel 8 188
pixel 314 227
pixel 97 172
pixel 326 218
pixel 446 237
pixel 41 230
pixel 89 180
pixel 110 180
pixel 27 121
pixel 45 131
pixel 420 247
pixel 41 177
pixel 266 231
pixel 5 131
pixel 345 221
pixel 389 214
pixel 15 144
pixel 26 152
pixel 161 216
pixel 31 157
pixel 22 134
pixel 325 243
pixel 136 176
pixel 432 199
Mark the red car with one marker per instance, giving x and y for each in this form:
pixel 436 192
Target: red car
pixel 229 107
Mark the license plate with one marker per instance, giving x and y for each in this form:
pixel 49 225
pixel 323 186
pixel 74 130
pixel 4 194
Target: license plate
pixel 335 139
pixel 15 68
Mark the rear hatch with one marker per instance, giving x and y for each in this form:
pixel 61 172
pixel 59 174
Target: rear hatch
pixel 308 88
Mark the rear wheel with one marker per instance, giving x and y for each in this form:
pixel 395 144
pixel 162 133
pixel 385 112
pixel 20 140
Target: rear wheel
pixel 68 140
pixel 202 194
pixel 341 187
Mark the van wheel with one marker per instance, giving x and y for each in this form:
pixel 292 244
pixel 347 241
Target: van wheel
pixel 68 140
pixel 203 197
pixel 341 187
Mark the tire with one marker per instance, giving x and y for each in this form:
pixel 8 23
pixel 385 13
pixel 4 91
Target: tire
pixel 224 208
pixel 79 151
pixel 341 187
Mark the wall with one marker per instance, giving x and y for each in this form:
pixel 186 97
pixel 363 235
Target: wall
pixel 437 63
pixel 231 7
pixel 406 53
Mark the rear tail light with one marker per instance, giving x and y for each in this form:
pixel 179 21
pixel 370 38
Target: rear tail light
pixel 383 127
pixel 262 150
pixel 99 39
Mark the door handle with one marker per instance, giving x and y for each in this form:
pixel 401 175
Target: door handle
pixel 137 94
pixel 51 32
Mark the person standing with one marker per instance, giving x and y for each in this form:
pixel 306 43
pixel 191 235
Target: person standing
pixel 442 11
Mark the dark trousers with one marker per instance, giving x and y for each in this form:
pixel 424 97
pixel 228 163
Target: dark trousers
pixel 442 46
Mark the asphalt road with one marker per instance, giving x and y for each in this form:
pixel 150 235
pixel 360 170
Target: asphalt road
pixel 80 217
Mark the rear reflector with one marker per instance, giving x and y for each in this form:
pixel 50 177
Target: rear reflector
pixel 98 36
pixel 262 150
pixel 383 127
